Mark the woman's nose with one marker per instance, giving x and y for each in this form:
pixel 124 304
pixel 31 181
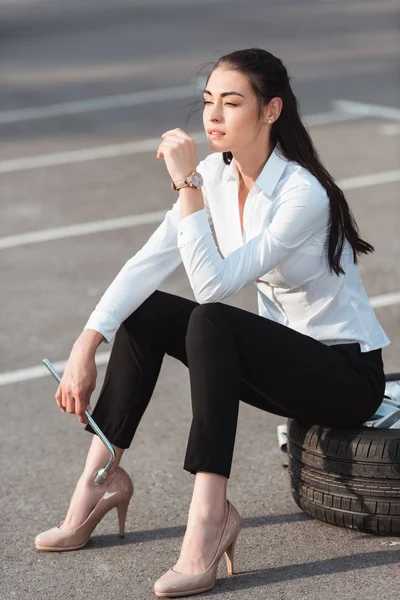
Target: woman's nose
pixel 215 113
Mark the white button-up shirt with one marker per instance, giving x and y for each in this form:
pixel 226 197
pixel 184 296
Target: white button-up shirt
pixel 282 252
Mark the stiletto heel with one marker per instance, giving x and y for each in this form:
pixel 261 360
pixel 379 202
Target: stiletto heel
pixel 230 558
pixel 173 583
pixel 122 509
pixel 117 493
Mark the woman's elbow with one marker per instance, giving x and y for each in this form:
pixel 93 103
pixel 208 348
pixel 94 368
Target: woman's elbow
pixel 206 296
pixel 210 289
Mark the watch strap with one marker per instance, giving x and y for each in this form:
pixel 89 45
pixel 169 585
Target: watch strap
pixel 182 183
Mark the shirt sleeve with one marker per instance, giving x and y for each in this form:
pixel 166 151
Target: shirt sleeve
pixel 141 275
pixel 301 215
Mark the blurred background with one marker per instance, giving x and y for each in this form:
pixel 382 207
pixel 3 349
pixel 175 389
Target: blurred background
pixel 87 88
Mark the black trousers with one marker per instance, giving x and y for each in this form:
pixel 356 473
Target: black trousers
pixel 232 354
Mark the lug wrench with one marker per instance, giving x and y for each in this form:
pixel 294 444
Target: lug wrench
pixel 101 474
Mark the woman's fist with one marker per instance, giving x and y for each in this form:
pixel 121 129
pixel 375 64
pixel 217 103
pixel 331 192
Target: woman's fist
pixel 179 151
pixel 77 383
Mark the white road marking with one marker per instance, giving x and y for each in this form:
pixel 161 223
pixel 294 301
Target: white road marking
pixel 136 147
pixel 102 358
pixel 386 300
pixel 58 233
pixel 363 181
pixel 329 117
pixel 145 97
pixel 362 109
pixel 86 154
pixel 343 110
pixel 106 103
pixel 41 371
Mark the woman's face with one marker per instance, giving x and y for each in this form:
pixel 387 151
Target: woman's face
pixel 235 115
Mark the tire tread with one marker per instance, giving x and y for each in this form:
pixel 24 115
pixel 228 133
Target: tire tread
pixel 348 478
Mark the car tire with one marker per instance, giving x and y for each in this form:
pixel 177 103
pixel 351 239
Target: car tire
pixel 347 477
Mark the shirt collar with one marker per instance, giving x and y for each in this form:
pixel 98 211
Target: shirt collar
pixel 269 176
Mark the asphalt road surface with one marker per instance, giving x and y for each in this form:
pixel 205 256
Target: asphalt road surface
pixel 87 88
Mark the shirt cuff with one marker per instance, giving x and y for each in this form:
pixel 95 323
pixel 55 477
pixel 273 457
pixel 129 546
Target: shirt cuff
pixel 192 227
pixel 104 323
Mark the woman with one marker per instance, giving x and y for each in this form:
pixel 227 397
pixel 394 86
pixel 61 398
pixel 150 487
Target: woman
pixel 313 352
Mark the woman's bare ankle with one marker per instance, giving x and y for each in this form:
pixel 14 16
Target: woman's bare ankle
pixel 88 476
pixel 84 499
pixel 97 458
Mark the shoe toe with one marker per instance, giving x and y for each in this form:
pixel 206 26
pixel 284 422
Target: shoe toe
pixel 41 538
pixel 49 538
pixel 173 582
pixel 166 583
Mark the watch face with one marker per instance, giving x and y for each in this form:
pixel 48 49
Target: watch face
pixel 197 179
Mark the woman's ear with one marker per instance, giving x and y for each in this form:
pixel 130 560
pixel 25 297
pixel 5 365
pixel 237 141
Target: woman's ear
pixel 273 110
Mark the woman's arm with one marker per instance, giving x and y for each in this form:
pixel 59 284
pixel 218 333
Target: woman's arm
pixel 141 275
pixel 302 214
pixel 138 278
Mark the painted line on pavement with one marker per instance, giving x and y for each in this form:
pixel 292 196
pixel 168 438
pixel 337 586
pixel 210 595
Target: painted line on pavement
pixel 362 109
pixel 58 233
pixel 41 371
pixel 105 103
pixel 136 147
pixel 385 300
pixel 364 181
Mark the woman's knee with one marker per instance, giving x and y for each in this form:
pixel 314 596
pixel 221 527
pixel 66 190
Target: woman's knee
pixel 203 312
pixel 160 318
pixel 205 320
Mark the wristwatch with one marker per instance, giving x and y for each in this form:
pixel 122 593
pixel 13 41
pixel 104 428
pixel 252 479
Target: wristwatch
pixel 194 180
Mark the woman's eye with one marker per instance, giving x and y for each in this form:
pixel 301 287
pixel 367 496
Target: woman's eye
pixel 226 103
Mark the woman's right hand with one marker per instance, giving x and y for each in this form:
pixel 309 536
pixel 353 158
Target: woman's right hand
pixel 79 379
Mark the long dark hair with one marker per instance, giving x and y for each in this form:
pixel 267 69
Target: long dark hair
pixel 269 79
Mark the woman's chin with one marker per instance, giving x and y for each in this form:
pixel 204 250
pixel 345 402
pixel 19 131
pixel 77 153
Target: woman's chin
pixel 216 144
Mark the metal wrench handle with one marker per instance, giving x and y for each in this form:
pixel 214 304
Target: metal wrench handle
pixel 101 475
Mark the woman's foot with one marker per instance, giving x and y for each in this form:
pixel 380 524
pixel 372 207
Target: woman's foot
pixel 203 534
pixel 115 493
pixel 175 583
pixel 84 499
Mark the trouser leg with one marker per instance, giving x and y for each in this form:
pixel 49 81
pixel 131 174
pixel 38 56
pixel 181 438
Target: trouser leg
pixel 234 354
pixel 157 327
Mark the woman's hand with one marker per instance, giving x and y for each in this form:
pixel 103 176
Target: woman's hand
pixel 179 151
pixel 78 381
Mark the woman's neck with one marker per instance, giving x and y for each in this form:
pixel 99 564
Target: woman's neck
pixel 245 166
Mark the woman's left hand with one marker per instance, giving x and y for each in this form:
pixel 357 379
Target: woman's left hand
pixel 179 151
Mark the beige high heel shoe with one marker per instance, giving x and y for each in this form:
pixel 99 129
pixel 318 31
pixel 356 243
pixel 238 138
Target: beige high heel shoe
pixel 174 584
pixel 117 493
